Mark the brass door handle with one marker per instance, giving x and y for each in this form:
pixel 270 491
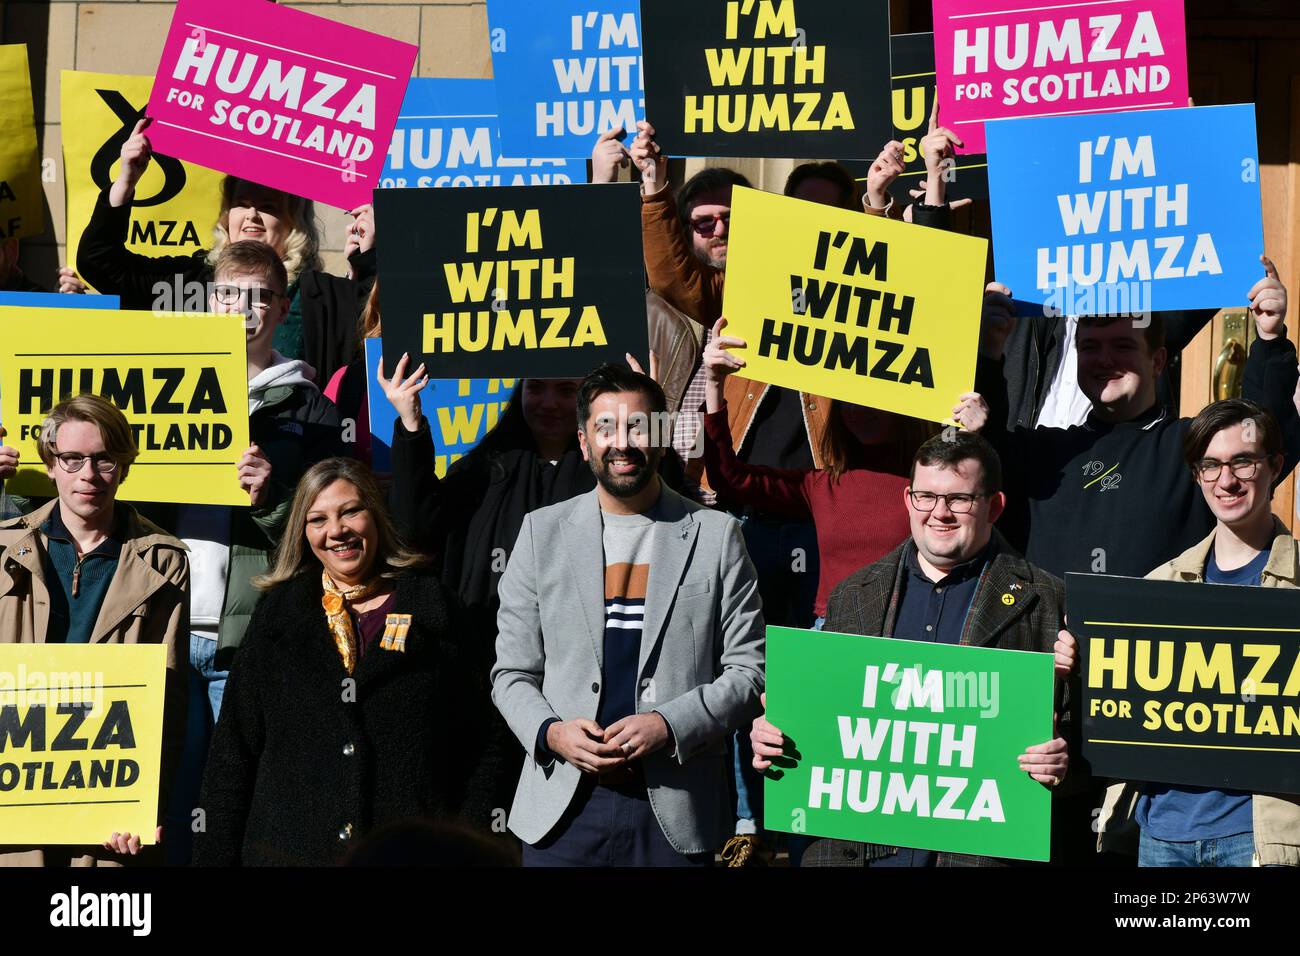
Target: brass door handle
pixel 1227 370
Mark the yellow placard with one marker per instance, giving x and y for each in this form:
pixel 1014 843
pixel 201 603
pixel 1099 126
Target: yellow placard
pixel 855 307
pixel 175 204
pixel 80 741
pixel 22 205
pixel 181 380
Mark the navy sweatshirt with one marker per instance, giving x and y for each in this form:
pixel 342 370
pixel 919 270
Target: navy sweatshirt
pixel 1118 499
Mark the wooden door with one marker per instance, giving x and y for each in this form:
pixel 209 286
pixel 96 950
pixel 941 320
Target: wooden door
pixel 1245 60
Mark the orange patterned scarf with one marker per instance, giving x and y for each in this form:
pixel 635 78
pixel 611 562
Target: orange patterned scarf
pixel 336 601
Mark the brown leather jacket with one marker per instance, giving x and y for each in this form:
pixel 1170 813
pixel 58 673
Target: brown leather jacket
pixel 147 602
pixel 695 289
pixel 676 340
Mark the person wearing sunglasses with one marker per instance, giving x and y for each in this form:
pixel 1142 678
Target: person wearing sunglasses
pixel 1234 452
pixel 86 568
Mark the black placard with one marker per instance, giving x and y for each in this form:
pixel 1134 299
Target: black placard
pixel 512 281
pixel 803 79
pixel 912 55
pixel 1210 679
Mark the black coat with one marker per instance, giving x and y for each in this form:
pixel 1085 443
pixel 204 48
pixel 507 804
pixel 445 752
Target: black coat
pixel 303 763
pixel 468 522
pixel 330 304
pixel 18 282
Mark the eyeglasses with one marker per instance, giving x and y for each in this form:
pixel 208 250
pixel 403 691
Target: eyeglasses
pixel 72 462
pixel 708 226
pixel 1209 469
pixel 258 298
pixel 958 503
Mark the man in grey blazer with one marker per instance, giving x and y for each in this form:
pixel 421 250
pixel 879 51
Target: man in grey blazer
pixel 629 646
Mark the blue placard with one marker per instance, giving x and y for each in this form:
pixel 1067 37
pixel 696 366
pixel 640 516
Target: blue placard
pixel 460 412
pixel 59 300
pixel 1128 213
pixel 566 71
pixel 447 135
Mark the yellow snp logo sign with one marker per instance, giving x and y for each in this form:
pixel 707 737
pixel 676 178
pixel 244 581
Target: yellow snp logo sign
pixel 22 209
pixel 175 203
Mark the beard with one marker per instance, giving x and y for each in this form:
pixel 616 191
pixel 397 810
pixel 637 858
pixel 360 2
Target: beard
pixel 708 260
pixel 628 485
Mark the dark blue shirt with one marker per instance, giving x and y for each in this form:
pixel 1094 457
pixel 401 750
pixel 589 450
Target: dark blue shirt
pixel 1250 574
pixel 77 586
pixel 1182 814
pixel 935 611
pixel 932 611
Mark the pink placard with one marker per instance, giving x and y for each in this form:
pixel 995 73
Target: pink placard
pixel 281 97
pixel 997 59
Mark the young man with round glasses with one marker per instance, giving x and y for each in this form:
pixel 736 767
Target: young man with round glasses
pixel 1234 450
pixel 86 568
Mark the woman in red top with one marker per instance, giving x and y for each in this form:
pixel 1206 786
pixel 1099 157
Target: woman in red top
pixel 856 501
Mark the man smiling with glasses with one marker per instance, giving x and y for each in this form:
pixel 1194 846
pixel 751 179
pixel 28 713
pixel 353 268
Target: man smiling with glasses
pixel 1234 451
pixel 88 569
pixel 954 581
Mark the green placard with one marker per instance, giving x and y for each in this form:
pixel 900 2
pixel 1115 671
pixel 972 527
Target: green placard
pixel 908 743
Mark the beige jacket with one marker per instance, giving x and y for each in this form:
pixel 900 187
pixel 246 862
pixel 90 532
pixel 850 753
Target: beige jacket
pixel 1276 816
pixel 147 602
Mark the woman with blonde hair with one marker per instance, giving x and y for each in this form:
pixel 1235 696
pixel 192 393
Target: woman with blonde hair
pixel 353 702
pixel 320 327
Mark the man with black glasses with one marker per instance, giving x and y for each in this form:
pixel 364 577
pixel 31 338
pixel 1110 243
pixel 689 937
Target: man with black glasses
pixel 1234 452
pixel 954 581
pixel 86 568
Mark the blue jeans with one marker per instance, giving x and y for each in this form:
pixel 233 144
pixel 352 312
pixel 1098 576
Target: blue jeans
pixel 749 786
pixel 1236 850
pixel 206 687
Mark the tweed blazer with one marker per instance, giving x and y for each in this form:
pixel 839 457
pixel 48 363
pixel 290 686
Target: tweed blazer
pixel 867 603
